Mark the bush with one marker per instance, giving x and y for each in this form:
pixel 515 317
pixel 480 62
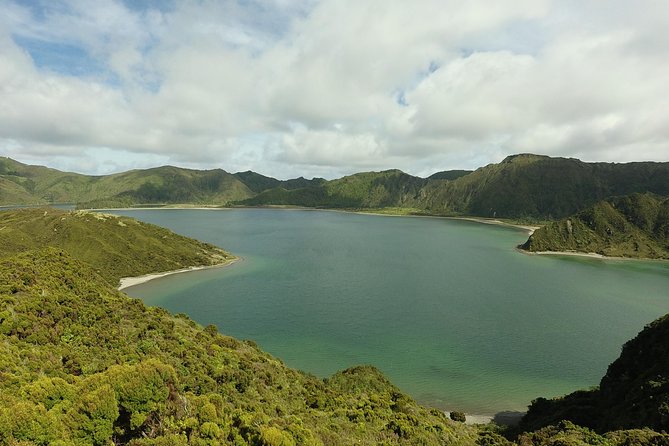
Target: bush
pixel 458 416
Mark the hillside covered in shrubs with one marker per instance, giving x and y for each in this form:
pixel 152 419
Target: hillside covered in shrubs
pixel 84 364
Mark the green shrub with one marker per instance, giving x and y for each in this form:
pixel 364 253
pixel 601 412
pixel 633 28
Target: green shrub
pixel 458 416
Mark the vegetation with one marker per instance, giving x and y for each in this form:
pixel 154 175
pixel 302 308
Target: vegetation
pixel 526 187
pixel 41 185
pixel 449 174
pixel 390 188
pixel 636 226
pixel 81 363
pixel 634 393
pixel 458 416
pixel 522 187
pixel 565 433
pixel 259 183
pixel 540 187
pixel 114 246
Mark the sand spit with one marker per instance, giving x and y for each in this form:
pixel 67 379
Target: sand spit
pixel 127 282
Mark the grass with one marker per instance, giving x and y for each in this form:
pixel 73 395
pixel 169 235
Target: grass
pixel 83 364
pixel 634 226
pixel 114 246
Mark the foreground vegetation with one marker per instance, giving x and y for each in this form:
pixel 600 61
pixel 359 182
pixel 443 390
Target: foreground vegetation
pixel 635 226
pixel 634 392
pixel 83 364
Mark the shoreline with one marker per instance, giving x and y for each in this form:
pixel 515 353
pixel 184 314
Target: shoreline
pixel 589 255
pixel 504 418
pixel 529 229
pixel 149 208
pixel 488 221
pixel 127 282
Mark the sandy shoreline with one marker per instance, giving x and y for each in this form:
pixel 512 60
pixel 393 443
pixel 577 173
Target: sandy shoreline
pixel 489 221
pixel 131 281
pixel 591 255
pixel 529 228
pixel 507 418
pixel 127 282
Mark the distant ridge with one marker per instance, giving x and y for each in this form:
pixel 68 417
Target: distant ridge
pixel 530 186
pixel 449 174
pixel 160 185
pixel 389 188
pixel 523 186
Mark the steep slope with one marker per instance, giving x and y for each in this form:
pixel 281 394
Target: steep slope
pixel 449 174
pixel 46 185
pixel 12 192
pixel 636 225
pixel 521 186
pixel 533 186
pixel 390 188
pixel 633 394
pixel 166 185
pixel 161 185
pixel 259 183
pixel 114 246
pixel 81 363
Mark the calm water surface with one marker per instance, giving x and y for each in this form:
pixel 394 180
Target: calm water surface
pixel 447 309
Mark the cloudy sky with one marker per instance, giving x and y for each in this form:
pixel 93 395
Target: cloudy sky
pixel 331 87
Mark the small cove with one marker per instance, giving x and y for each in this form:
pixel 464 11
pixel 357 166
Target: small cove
pixel 448 310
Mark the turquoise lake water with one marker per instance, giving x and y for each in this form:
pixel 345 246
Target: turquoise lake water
pixel 447 309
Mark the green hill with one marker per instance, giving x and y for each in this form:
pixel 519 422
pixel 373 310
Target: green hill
pixel 161 185
pixel 367 190
pixel 520 187
pixel 633 394
pixel 635 226
pixel 449 174
pixel 81 363
pixel 166 185
pixel 114 246
pixel 525 186
pixel 259 183
pixel 540 187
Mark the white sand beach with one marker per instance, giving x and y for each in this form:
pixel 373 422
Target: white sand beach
pixel 592 255
pixel 127 282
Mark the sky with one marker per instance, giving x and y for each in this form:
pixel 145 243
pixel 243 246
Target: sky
pixel 327 88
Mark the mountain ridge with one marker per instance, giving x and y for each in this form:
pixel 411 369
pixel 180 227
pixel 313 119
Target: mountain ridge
pixel 522 187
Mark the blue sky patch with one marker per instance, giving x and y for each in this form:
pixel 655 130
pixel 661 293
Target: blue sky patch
pixel 62 58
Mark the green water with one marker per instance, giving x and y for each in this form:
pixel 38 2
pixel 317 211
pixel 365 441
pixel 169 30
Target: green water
pixel 447 309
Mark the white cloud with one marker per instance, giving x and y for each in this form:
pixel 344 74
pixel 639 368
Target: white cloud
pixel 333 86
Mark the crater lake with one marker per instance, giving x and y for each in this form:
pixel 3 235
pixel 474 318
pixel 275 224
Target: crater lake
pixel 449 310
